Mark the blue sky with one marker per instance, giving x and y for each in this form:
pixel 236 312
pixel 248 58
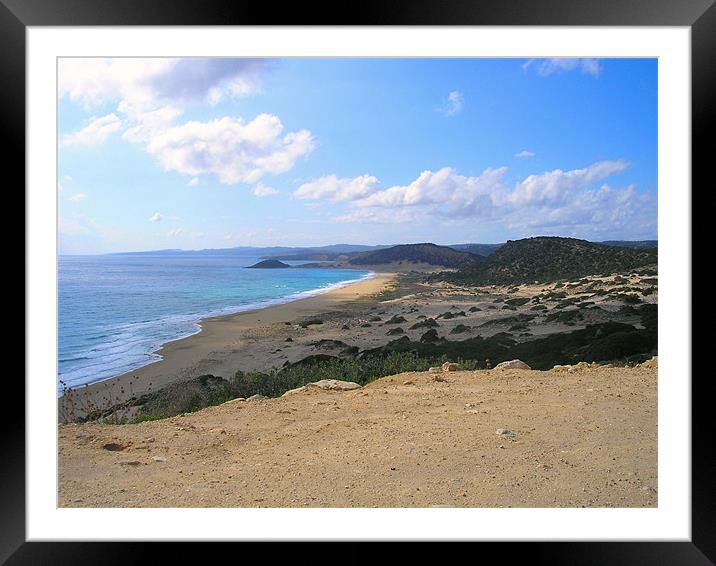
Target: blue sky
pixel 205 153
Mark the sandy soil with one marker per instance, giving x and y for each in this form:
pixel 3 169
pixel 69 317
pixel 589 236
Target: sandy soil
pixel 355 315
pixel 587 438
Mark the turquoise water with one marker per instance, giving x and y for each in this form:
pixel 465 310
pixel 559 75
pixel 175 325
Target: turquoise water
pixel 116 311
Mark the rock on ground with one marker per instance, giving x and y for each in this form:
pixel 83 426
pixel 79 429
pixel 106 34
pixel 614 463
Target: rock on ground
pixel 513 364
pixel 326 385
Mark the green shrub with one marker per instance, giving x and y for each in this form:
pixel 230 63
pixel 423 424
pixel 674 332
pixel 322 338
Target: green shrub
pixel 362 370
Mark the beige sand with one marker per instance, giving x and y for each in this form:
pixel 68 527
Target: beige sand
pixel 587 438
pixel 222 346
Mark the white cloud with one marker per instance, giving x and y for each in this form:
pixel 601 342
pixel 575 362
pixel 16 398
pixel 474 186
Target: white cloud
pixel 232 150
pixel 443 187
pixel 264 191
pixel 337 189
pixel 150 94
pixel 78 197
pixel 557 185
pixel 150 123
pixel 175 232
pixel 455 103
pixel 525 153
pixel 558 202
pixel 156 217
pixel 546 67
pixel 193 182
pixel 148 83
pixel 95 132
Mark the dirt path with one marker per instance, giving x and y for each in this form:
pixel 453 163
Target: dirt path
pixel 587 438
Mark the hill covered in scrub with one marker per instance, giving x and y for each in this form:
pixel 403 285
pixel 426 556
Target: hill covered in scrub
pixel 632 243
pixel 551 258
pixel 477 249
pixel 430 254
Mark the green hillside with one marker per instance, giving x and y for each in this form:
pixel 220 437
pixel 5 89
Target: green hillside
pixel 551 258
pixel 430 254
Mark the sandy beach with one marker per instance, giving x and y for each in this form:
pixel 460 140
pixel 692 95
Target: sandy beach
pixel 228 343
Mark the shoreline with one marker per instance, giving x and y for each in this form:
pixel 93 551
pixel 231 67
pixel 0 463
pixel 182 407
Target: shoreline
pixel 216 346
pixel 230 311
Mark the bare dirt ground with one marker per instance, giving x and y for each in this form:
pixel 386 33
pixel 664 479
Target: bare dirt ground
pixel 584 438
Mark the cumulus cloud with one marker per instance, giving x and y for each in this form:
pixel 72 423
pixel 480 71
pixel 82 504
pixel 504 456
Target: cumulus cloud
pixel 193 182
pixel 546 67
pixel 153 82
pixel 559 202
pixel 173 233
pixel 454 104
pixel 97 130
pixel 525 153
pixel 78 197
pixel 444 187
pixel 337 189
pixel 264 191
pixel 156 217
pixel 149 95
pixel 232 150
pixel 557 185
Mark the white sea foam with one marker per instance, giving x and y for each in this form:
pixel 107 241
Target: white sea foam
pixel 128 347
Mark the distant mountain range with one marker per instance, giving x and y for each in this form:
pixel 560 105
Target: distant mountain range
pixel 542 258
pixel 272 252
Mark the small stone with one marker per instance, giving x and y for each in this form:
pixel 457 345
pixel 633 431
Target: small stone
pixel 257 397
pixel 130 463
pixel 159 459
pixel 450 366
pixel 114 446
pixel 435 370
pixel 505 433
pixel 408 382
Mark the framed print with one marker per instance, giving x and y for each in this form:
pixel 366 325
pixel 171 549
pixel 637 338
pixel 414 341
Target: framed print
pixel 424 275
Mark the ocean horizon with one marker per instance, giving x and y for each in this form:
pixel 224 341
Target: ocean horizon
pixel 115 311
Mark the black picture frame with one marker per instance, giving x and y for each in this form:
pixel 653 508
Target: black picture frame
pixel 699 15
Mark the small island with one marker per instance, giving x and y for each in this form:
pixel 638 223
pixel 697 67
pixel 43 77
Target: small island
pixel 269 264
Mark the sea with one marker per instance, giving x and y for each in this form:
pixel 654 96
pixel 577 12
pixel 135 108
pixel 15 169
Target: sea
pixel 115 311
